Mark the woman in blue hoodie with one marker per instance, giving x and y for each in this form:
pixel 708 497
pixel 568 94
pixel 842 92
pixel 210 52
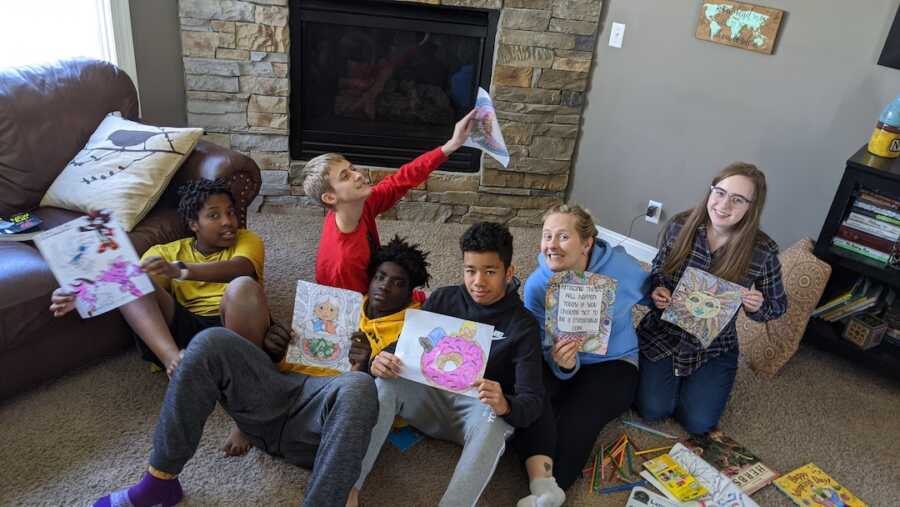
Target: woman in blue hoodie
pixel 584 391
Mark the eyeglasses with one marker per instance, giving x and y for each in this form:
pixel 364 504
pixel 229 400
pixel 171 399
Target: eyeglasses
pixel 736 200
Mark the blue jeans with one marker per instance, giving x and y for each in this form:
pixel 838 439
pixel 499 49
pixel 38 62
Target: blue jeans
pixel 697 401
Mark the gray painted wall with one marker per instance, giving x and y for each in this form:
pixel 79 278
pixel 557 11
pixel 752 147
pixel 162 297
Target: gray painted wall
pixel 157 54
pixel 667 111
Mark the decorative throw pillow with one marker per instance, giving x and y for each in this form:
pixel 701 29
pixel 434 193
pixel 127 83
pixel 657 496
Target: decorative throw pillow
pixel 125 167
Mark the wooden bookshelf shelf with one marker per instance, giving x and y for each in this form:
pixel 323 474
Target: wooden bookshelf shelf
pixel 880 175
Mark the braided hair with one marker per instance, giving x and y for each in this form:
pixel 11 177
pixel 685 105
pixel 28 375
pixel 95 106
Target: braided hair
pixel 194 194
pixel 409 257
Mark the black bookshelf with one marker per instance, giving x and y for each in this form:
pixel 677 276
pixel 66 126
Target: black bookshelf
pixel 881 175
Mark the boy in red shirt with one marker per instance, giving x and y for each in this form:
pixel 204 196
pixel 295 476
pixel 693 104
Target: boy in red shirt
pixel 349 233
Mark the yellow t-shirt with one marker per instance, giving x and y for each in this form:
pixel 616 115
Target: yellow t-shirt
pixel 381 332
pixel 203 298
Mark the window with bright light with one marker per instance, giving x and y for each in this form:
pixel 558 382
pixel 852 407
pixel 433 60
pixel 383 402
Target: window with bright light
pixel 41 31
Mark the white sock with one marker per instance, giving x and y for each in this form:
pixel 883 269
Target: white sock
pixel 528 501
pixel 548 493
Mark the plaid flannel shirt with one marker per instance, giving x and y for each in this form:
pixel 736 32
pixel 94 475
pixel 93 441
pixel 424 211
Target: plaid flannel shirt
pixel 659 339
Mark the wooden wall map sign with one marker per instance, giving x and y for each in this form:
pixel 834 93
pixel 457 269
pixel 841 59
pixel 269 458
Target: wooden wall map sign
pixel 578 307
pixel 703 304
pixel 741 25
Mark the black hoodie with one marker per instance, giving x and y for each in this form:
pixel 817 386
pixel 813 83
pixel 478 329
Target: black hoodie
pixel 515 359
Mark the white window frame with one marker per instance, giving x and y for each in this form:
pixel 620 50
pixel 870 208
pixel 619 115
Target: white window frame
pixel 116 27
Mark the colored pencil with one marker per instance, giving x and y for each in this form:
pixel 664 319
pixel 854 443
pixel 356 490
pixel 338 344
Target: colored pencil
pixel 622 487
pixel 648 451
pixel 648 429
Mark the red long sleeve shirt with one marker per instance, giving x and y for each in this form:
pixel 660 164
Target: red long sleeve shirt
pixel 343 257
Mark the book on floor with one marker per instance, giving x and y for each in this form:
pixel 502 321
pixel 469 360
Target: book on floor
pixel 673 479
pixel 642 497
pixel 93 258
pixel 732 459
pixel 809 485
pixel 324 320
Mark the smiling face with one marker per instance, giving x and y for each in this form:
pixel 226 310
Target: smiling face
pixel 702 305
pixel 325 311
pixel 562 247
pixel 216 225
pixel 726 211
pixel 485 276
pixel 347 184
pixel 389 290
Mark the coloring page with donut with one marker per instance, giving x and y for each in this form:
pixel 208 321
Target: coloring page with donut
pixel 703 304
pixel 443 352
pixel 577 308
pixel 486 134
pixel 94 259
pixel 324 319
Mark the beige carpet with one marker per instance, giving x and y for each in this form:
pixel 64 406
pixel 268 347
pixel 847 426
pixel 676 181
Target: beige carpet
pixel 85 434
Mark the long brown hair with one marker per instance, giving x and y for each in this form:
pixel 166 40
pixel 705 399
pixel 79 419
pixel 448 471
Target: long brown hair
pixel 734 260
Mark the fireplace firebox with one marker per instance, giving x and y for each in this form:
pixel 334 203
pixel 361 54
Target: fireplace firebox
pixel 381 82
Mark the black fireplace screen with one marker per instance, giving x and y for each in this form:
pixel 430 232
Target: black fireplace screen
pixel 381 82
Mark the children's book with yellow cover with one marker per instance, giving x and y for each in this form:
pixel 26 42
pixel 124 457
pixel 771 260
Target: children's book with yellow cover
pixel 809 485
pixel 675 478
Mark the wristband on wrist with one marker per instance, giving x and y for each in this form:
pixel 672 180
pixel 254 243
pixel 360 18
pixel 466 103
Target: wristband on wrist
pixel 184 270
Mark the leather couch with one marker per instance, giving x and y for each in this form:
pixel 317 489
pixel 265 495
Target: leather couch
pixel 47 114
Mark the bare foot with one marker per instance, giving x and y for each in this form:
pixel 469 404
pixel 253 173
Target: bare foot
pixel 236 444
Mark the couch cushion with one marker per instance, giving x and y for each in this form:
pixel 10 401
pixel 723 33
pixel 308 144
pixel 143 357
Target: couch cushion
pixel 47 114
pixel 124 167
pixel 25 281
pixel 769 346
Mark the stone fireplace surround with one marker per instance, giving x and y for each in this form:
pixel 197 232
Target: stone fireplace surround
pixel 236 75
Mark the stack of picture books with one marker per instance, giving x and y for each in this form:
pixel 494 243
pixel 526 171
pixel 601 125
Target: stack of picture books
pixel 864 296
pixel 872 228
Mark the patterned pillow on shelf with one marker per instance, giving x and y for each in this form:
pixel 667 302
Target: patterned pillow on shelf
pixel 768 346
pixel 125 166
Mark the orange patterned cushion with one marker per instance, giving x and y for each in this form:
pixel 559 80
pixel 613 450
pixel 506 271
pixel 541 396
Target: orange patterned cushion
pixel 768 346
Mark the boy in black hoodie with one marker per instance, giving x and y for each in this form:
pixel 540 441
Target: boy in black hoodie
pixel 509 395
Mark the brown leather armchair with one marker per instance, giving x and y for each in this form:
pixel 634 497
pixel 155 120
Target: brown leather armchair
pixel 47 114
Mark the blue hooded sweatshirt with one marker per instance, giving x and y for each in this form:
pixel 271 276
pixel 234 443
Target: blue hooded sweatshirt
pixel 633 287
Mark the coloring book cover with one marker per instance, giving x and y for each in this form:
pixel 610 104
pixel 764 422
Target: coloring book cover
pixel 486 134
pixel 577 307
pixel 324 318
pixel 93 258
pixel 810 486
pixel 732 459
pixel 443 352
pixel 723 492
pixel 703 304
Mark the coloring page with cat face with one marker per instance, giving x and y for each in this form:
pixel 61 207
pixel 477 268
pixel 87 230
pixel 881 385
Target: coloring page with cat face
pixel 703 304
pixel 324 319
pixel 443 352
pixel 93 259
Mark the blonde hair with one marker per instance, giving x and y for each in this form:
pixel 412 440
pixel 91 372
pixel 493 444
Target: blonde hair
pixel 734 261
pixel 584 220
pixel 315 180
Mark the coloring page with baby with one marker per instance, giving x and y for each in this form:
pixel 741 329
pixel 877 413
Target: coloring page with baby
pixel 324 318
pixel 703 304
pixel 93 258
pixel 577 308
pixel 443 352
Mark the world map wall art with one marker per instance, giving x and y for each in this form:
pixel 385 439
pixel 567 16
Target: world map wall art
pixel 741 25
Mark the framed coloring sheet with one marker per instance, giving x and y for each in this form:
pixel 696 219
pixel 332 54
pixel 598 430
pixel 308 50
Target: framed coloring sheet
pixel 324 318
pixel 703 304
pixel 486 134
pixel 93 257
pixel 577 307
pixel 443 352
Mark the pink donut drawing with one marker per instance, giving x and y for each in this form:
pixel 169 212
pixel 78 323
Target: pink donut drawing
pixel 451 362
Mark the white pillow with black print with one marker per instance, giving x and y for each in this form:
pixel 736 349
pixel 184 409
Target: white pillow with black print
pixel 125 167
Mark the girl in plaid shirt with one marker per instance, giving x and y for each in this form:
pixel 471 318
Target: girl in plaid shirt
pixel 721 235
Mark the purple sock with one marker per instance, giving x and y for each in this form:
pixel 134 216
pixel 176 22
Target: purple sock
pixel 149 492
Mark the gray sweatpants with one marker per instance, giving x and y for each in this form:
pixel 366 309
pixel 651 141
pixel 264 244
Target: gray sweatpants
pixel 447 416
pixel 321 423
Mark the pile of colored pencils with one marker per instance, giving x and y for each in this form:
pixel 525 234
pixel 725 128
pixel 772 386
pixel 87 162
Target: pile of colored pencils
pixel 615 467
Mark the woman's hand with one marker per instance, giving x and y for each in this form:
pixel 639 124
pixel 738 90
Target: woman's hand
pixel 662 297
pixel 158 266
pixel 61 302
pixel 386 365
pixel 564 353
pixel 752 300
pixel 360 350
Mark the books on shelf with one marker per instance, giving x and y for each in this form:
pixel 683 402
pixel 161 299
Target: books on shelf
pixel 732 459
pixel 865 296
pixel 871 228
pixel 810 485
pixel 863 250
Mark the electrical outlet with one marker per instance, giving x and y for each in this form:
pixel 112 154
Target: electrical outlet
pixel 654 218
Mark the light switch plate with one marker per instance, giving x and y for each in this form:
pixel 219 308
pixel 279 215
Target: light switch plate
pixel 616 34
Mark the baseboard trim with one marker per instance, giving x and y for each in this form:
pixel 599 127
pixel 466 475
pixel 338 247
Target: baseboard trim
pixel 640 251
